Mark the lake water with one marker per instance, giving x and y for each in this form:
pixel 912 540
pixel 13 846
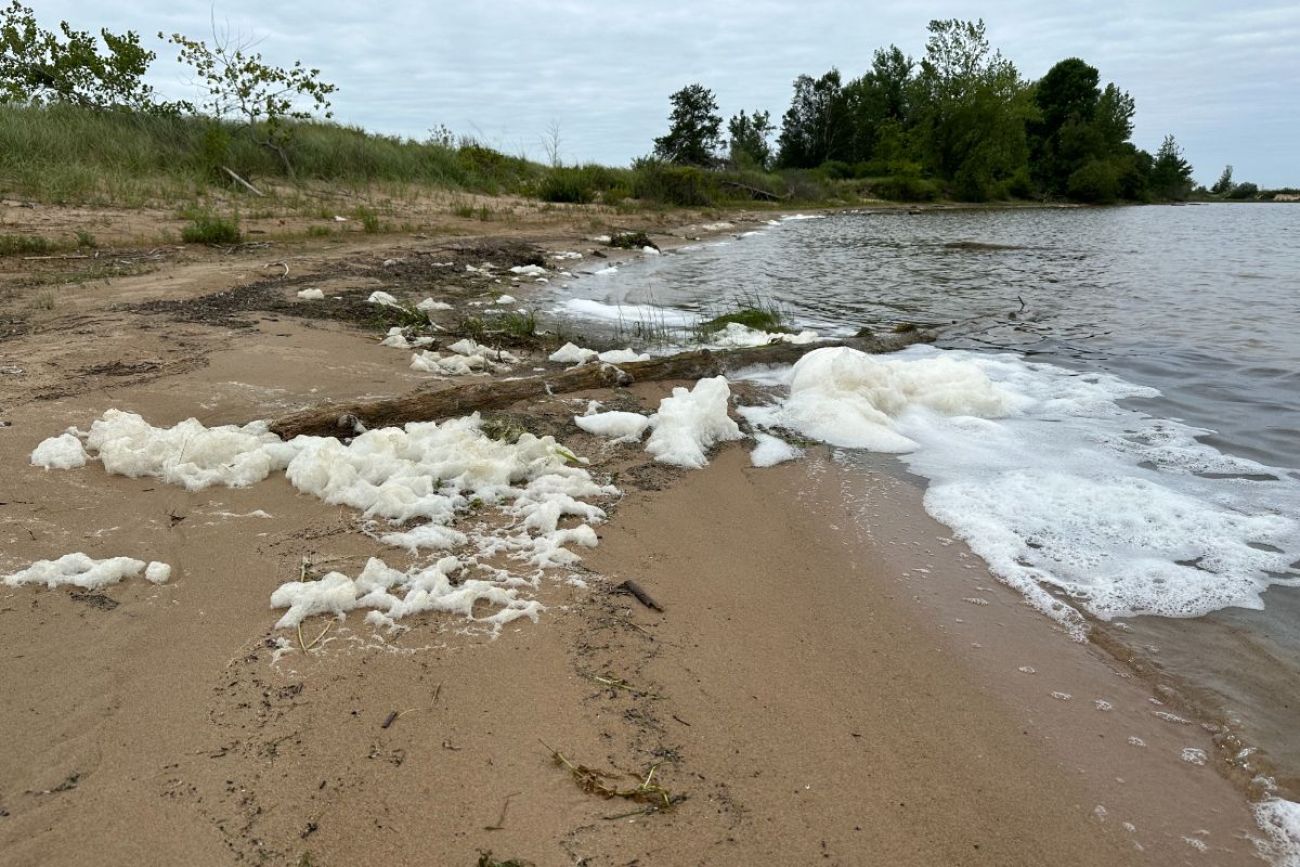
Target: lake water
pixel 1161 346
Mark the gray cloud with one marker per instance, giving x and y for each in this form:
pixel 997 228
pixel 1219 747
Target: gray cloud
pixel 1224 81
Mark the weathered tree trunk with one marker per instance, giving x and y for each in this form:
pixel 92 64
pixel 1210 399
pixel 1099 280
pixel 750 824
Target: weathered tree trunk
pixel 427 404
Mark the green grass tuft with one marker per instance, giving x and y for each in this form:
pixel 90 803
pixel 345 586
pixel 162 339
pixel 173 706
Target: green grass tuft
pixel 211 229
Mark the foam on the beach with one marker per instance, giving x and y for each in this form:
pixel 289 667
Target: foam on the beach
pixel 619 427
pixel 1069 496
pixel 572 353
pixel 431 473
pixel 383 299
pixel 80 570
pixel 771 451
pixel 311 295
pixel 428 305
pixel 1280 820
pixel 392 594
pixel 63 452
pixel 188 454
pixel 622 356
pixel 689 422
pixel 849 398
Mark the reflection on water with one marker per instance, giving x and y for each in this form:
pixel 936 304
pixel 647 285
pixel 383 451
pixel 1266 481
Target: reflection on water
pixel 1200 302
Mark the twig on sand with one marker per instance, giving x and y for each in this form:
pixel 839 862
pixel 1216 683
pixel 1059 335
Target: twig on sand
pixel 647 791
pixel 392 715
pixel 620 683
pixel 501 822
pixel 306 647
pixel 638 591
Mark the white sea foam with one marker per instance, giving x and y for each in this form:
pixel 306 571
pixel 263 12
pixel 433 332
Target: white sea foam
pixel 63 452
pixel 622 356
pixel 80 570
pixel 736 335
pixel 771 451
pixel 586 308
pixel 311 294
pixel 620 427
pixel 1280 820
pixel 428 472
pixel 689 422
pixel 572 353
pixel 1056 484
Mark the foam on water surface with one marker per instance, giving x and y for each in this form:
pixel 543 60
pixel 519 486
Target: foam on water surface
pixel 586 308
pixel 1056 484
pixel 1280 820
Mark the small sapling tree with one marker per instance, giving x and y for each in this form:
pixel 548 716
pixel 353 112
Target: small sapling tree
pixel 241 84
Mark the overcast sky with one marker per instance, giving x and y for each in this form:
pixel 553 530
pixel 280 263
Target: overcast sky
pixel 1225 81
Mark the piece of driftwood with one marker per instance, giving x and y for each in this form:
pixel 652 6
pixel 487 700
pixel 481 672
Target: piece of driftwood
pixel 243 183
pixel 346 419
pixel 635 589
pixel 756 192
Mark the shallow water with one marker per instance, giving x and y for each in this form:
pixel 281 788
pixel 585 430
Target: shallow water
pixel 1201 303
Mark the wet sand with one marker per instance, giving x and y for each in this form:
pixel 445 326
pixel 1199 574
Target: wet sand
pixel 813 695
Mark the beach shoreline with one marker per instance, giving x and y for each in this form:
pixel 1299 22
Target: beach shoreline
pixel 146 707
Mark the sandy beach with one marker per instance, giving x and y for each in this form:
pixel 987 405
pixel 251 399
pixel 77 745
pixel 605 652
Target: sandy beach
pixel 832 679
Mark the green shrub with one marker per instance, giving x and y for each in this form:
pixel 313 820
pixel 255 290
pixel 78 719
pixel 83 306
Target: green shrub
pixel 567 185
pixel 905 188
pixel 24 245
pixel 836 170
pixel 1245 190
pixel 211 229
pixel 369 220
pixel 686 186
pixel 1096 182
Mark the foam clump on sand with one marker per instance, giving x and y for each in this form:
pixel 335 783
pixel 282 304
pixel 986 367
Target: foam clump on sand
pixel 528 270
pixel 686 426
pixel 428 472
pixel 771 451
pixel 80 570
pixel 689 422
pixel 392 594
pixel 469 358
pixel 622 356
pixel 737 336
pixel 63 452
pixel 384 299
pixel 428 304
pixel 620 427
pixel 851 399
pixel 187 454
pixel 311 295
pixel 572 353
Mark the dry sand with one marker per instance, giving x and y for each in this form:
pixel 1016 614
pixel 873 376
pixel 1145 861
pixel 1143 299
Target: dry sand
pixel 811 692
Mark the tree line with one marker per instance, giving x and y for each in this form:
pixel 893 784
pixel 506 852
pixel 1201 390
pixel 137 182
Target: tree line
pixel 961 121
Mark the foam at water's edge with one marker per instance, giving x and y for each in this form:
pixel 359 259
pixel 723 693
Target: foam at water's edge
pixel 1071 497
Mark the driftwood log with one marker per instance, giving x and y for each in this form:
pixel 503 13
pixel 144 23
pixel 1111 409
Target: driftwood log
pixel 428 404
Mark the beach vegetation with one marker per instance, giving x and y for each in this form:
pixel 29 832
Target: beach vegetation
pixel 24 245
pixel 209 228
